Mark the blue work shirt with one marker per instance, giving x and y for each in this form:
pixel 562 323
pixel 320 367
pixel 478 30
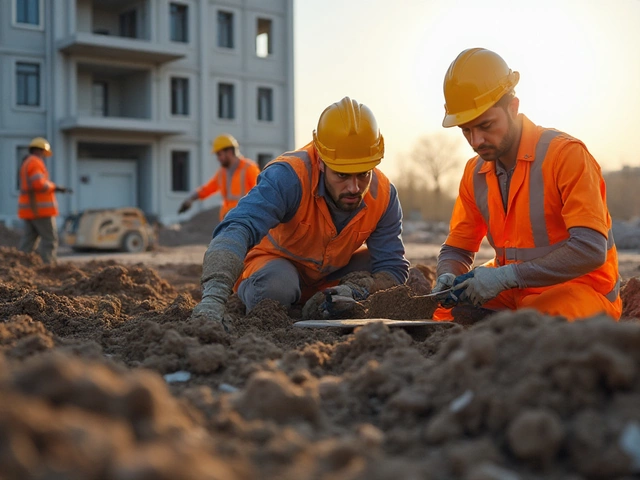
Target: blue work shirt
pixel 276 198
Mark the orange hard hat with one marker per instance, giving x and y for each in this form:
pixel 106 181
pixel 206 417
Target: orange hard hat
pixel 347 138
pixel 475 81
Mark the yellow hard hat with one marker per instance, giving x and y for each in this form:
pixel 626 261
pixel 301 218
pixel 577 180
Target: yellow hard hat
pixel 475 81
pixel 347 138
pixel 223 141
pixel 40 142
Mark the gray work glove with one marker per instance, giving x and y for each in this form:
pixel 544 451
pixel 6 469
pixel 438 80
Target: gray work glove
pixel 487 283
pixel 220 270
pixel 443 282
pixel 341 299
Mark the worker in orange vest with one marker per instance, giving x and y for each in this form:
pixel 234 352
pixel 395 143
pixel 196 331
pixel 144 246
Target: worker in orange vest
pixel 237 176
pixel 37 205
pixel 538 196
pixel 305 225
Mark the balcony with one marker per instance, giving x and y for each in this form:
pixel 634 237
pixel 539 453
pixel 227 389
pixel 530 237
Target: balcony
pixel 117 29
pixel 118 48
pixel 116 99
pixel 118 125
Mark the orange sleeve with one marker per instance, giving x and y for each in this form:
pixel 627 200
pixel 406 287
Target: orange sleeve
pixel 37 177
pixel 209 188
pixel 467 227
pixel 582 188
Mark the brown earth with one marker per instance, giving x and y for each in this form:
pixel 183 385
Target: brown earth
pixel 84 347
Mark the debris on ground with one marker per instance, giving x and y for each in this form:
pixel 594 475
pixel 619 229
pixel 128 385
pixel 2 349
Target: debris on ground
pixel 104 375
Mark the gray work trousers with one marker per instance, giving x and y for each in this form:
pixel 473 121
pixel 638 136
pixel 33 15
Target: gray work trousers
pixel 279 280
pixel 44 232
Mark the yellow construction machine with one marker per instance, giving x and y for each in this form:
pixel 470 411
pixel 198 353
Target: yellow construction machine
pixel 125 229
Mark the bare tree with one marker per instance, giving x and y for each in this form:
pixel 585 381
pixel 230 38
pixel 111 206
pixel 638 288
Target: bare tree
pixel 435 156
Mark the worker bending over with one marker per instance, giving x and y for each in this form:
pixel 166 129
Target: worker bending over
pixel 305 225
pixel 538 196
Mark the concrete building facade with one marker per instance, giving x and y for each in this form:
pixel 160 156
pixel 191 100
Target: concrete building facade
pixel 130 94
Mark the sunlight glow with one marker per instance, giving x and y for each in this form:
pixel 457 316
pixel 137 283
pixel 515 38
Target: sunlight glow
pixel 579 64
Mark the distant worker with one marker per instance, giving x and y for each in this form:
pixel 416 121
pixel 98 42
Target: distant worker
pixel 37 204
pixel 237 176
pixel 305 225
pixel 538 196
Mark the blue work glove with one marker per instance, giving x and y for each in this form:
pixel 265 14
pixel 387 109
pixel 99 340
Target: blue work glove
pixel 454 297
pixel 341 299
pixel 485 283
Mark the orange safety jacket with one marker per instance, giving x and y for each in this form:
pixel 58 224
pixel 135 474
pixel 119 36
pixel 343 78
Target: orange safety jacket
pixel 37 198
pixel 310 239
pixel 232 187
pixel 556 185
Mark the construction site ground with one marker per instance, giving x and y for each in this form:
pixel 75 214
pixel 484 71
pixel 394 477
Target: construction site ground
pixel 104 375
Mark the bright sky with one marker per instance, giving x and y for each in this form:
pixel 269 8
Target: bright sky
pixel 579 64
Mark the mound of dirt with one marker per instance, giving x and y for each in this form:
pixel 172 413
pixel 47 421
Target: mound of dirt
pixel 104 375
pixel 8 236
pixel 197 230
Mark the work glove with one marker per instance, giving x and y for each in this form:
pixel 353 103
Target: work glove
pixel 486 283
pixel 59 189
pixel 443 282
pixel 453 298
pixel 220 270
pixel 186 205
pixel 342 299
pixel 214 299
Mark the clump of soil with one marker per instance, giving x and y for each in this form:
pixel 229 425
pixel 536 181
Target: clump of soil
pixel 104 375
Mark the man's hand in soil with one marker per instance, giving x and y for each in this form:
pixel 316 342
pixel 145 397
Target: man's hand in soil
pixel 210 308
pixel 341 299
pixel 220 269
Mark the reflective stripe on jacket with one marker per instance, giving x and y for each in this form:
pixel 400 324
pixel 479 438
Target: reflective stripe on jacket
pixel 556 185
pixel 231 187
pixel 37 198
pixel 310 239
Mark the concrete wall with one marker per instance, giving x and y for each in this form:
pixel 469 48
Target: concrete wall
pixel 142 90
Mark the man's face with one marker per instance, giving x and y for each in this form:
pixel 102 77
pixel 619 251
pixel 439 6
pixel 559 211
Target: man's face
pixel 347 190
pixel 225 157
pixel 493 133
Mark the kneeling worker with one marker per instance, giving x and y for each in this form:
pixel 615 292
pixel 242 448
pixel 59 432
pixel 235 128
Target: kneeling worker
pixel 305 224
pixel 538 196
pixel 237 176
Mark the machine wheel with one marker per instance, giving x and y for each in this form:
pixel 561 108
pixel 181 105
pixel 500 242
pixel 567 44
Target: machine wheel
pixel 133 243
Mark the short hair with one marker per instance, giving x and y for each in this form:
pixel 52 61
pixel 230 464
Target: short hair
pixel 505 100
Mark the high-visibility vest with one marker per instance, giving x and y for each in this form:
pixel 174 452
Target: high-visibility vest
pixel 556 185
pixel 310 239
pixel 231 187
pixel 37 198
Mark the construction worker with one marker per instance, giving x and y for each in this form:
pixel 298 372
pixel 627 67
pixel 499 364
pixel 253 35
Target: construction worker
pixel 37 204
pixel 538 196
pixel 237 176
pixel 304 226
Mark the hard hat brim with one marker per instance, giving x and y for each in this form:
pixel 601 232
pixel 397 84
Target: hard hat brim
pixel 352 168
pixel 455 120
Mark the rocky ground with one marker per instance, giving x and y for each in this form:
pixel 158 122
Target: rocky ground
pixel 103 375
